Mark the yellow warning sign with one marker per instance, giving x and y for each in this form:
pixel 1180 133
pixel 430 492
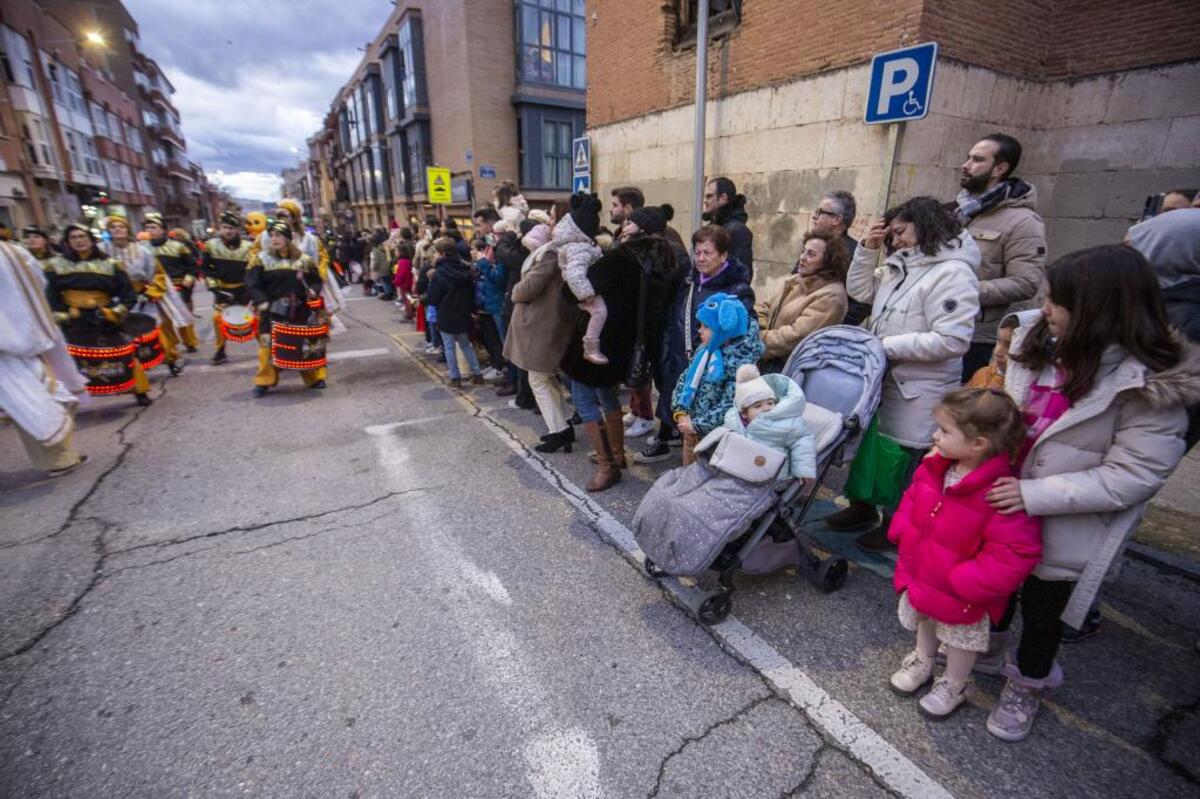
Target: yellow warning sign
pixel 438 181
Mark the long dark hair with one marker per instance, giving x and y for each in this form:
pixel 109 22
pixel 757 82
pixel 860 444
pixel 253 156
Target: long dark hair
pixel 1114 298
pixel 69 253
pixel 936 226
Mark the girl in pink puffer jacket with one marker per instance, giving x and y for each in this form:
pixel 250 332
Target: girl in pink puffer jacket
pixel 960 559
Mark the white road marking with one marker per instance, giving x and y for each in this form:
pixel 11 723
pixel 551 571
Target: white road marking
pixel 240 366
pixel 563 763
pixel 834 719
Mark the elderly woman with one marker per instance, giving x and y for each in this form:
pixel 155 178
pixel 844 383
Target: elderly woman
pixel 924 296
pixel 813 297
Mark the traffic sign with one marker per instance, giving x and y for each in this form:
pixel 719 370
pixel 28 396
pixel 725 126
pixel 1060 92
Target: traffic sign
pixel 437 181
pixel 487 171
pixel 901 84
pixel 581 183
pixel 582 160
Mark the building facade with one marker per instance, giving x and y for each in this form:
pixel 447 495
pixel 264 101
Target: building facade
pixel 1106 105
pixel 491 90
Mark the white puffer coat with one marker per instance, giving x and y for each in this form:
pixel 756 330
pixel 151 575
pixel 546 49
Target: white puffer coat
pixel 1090 474
pixel 923 311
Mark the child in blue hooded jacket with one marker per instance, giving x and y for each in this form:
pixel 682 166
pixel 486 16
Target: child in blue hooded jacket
pixel 770 410
pixel 704 394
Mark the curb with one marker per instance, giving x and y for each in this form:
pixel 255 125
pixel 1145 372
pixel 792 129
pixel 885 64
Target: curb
pixel 1176 564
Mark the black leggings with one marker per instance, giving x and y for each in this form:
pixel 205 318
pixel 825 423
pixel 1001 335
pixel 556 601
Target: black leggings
pixel 1042 603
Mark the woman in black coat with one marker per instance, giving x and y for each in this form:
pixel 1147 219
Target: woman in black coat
pixel 617 277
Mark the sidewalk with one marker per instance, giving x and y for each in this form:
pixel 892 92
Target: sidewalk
pixel 1172 523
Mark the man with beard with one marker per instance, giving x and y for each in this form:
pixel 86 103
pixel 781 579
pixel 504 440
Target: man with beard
pixel 224 267
pixel 725 207
pixel 998 210
pixel 179 264
pixel 625 200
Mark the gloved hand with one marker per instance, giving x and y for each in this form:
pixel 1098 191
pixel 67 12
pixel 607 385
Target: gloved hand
pixel 189 280
pixel 211 282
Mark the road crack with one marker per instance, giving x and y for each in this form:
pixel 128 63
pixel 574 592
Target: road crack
pixel 691 739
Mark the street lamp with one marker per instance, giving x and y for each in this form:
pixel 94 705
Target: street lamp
pixel 95 38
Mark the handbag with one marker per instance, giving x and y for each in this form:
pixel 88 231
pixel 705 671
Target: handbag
pixel 746 458
pixel 638 374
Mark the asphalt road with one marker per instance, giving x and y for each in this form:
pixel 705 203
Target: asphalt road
pixel 379 590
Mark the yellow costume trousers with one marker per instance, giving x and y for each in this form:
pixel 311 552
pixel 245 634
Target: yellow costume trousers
pixel 171 338
pixel 141 383
pixel 48 457
pixel 268 375
pixel 216 322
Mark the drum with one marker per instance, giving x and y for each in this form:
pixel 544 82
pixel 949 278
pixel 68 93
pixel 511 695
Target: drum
pixel 298 346
pixel 106 361
pixel 143 329
pixel 317 304
pixel 239 323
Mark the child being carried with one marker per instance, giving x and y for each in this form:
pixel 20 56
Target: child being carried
pixel 574 239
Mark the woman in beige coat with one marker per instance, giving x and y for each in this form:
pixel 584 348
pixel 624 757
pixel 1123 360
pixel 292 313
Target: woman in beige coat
pixel 1102 382
pixel 538 336
pixel 813 297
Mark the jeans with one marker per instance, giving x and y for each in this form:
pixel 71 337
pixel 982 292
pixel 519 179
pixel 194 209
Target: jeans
pixel 501 327
pixel 593 402
pixel 464 341
pixel 492 341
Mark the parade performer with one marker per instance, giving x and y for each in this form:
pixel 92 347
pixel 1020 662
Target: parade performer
pixel 90 294
pixel 37 243
pixel 224 267
pixel 156 294
pixel 180 265
pixel 39 384
pixel 281 280
pixel 290 213
pixel 256 224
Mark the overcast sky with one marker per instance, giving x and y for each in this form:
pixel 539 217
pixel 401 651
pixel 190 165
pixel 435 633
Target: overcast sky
pixel 254 78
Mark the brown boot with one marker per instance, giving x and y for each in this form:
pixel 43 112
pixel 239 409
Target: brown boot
pixel 607 474
pixel 615 427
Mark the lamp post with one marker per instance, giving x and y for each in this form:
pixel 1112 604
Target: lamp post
pixel 701 103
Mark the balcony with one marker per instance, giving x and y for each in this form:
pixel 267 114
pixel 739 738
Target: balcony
pixel 168 133
pixel 176 168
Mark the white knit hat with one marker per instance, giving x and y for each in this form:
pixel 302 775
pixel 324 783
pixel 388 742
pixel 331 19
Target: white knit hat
pixel 751 387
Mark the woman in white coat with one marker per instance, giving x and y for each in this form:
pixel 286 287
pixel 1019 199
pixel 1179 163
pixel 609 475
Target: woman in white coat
pixel 1103 383
pixel 924 297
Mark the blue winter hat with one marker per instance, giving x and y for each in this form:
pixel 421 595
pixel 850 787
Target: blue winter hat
pixel 725 316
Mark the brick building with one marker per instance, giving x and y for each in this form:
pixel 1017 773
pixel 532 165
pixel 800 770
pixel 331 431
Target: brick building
pixel 1106 103
pixel 490 89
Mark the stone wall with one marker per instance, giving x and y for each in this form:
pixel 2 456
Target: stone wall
pixel 1094 148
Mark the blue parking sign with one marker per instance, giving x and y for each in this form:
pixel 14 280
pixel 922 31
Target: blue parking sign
pixel 901 84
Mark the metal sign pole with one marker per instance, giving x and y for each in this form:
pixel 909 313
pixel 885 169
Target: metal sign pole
pixel 701 100
pixel 889 166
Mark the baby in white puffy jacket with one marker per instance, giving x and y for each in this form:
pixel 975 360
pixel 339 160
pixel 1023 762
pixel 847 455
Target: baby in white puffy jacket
pixel 574 241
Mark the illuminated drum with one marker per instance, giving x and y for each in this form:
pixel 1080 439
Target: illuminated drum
pixel 143 330
pixel 298 346
pixel 106 362
pixel 239 323
pixel 317 304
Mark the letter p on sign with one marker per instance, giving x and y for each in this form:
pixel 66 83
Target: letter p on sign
pixel 901 84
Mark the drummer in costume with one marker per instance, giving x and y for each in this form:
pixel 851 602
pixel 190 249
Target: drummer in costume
pixel 38 244
pixel 156 295
pixel 90 294
pixel 281 279
pixel 180 265
pixel 224 267
pixel 39 383
pixel 330 298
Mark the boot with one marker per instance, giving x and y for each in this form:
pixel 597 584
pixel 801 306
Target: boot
pixel 1012 717
pixel 553 442
pixel 615 426
pixel 857 515
pixel 591 351
pixel 607 474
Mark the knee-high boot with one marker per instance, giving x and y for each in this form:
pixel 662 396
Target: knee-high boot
pixel 607 473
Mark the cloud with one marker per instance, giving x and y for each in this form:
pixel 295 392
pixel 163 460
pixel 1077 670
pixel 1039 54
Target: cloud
pixel 253 80
pixel 251 185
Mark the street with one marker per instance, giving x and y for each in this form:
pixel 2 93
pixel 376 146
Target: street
pixel 381 590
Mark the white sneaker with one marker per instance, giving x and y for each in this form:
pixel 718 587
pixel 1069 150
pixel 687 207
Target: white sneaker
pixel 629 419
pixel 640 427
pixel 914 672
pixel 492 373
pixel 944 697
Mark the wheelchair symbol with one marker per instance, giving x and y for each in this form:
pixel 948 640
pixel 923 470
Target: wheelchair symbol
pixel 911 106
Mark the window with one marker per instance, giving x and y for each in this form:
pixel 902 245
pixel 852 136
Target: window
pixel 723 18
pixel 42 142
pixel 90 158
pixel 149 118
pixel 74 91
pixel 135 138
pixel 127 177
pixel 412 64
pixel 553 42
pixel 147 185
pixel 556 154
pixel 114 128
pixel 100 121
pixel 418 156
pixel 17 61
pixel 56 82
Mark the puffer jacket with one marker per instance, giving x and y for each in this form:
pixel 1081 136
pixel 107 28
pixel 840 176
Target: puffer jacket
pixel 513 213
pixel 714 399
pixel 1012 257
pixel 492 281
pixel 452 292
pixel 923 311
pixel 803 306
pixel 576 254
pixel 959 558
pixel 782 427
pixel 1090 474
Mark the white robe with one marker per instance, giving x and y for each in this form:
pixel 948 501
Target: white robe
pixel 38 377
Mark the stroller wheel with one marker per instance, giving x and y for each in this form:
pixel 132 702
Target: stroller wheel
pixel 831 574
pixel 654 570
pixel 715 608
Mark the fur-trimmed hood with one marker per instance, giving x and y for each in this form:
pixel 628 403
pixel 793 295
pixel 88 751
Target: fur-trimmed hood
pixel 1179 385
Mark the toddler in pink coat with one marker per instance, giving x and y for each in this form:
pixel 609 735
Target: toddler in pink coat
pixel 959 559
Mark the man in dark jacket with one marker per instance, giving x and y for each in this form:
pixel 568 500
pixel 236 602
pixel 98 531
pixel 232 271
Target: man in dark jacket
pixel 452 292
pixel 714 270
pixel 725 207
pixel 511 254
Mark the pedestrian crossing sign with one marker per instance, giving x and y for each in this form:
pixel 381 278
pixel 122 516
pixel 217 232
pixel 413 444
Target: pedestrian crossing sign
pixel 437 181
pixel 582 148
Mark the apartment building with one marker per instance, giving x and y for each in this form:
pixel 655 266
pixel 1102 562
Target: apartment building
pixel 489 89
pixel 1105 101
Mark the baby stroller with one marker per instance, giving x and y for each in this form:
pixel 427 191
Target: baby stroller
pixel 697 518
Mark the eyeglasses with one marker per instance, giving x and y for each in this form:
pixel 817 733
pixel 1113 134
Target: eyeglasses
pixel 817 213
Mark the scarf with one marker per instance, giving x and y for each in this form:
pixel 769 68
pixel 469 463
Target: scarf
pixel 970 206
